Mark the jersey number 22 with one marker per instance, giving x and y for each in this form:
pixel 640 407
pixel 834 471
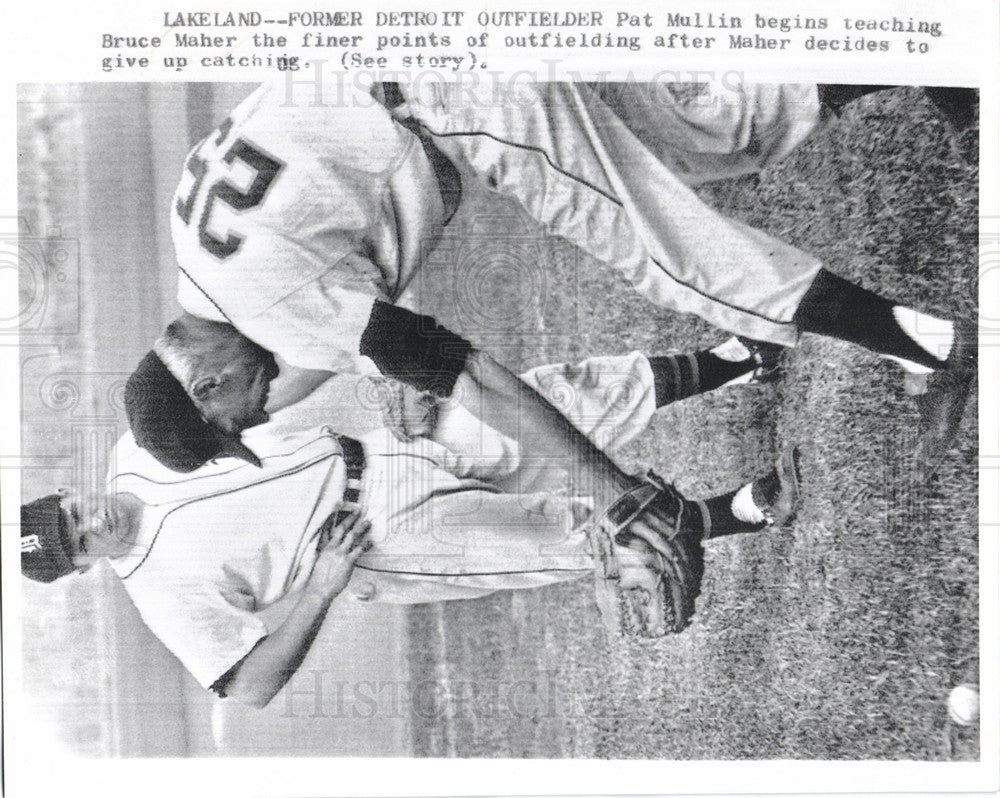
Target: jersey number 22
pixel 265 170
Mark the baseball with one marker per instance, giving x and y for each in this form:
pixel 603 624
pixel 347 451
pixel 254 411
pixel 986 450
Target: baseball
pixel 963 704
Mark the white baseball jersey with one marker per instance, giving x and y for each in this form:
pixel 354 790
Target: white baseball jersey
pixel 224 541
pixel 290 220
pixel 219 544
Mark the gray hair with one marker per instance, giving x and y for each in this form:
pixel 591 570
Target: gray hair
pixel 179 362
pixel 177 347
pixel 188 342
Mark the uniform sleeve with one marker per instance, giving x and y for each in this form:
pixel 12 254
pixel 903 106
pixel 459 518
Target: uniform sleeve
pixel 197 624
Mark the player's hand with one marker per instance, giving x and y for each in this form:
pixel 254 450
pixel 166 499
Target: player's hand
pixel 420 412
pixel 339 548
pixel 406 412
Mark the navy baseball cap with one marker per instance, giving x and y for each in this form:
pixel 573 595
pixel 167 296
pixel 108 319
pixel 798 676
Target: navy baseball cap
pixel 46 554
pixel 167 424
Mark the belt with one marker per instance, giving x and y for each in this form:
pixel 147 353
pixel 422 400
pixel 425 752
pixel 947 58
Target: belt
pixel 354 459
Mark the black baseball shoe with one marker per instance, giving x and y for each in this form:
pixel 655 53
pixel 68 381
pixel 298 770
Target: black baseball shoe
pixel 959 107
pixel 768 358
pixel 942 406
pixel 777 494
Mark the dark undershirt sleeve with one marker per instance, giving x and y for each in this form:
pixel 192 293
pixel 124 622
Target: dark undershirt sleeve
pixel 414 349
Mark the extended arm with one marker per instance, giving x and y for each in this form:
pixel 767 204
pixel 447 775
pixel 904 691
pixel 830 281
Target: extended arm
pixel 554 453
pixel 258 677
pixel 416 350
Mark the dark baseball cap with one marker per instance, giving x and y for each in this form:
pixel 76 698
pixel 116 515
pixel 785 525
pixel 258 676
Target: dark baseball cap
pixel 46 554
pixel 167 424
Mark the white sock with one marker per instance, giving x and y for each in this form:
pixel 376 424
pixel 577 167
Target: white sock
pixel 935 336
pixel 731 351
pixel 743 379
pixel 744 508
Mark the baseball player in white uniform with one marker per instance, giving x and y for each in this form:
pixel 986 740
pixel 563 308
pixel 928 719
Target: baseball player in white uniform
pixel 301 224
pixel 200 553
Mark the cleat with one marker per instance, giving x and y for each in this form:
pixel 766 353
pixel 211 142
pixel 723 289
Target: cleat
pixel 769 360
pixel 959 107
pixel 783 484
pixel 942 406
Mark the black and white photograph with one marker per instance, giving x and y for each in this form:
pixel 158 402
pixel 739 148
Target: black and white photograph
pixel 507 418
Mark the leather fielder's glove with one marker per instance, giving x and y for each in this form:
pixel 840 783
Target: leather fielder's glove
pixel 647 565
pixel 407 412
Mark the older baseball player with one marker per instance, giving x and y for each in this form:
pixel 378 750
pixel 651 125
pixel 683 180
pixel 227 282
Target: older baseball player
pixel 301 223
pixel 201 552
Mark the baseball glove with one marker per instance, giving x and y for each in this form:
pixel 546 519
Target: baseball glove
pixel 647 565
pixel 407 412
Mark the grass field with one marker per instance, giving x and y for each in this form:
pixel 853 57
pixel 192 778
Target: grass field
pixel 838 638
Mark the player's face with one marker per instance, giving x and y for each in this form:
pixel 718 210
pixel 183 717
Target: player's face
pixel 245 371
pixel 95 528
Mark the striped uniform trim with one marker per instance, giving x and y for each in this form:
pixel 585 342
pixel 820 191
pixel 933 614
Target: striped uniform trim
pixel 472 574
